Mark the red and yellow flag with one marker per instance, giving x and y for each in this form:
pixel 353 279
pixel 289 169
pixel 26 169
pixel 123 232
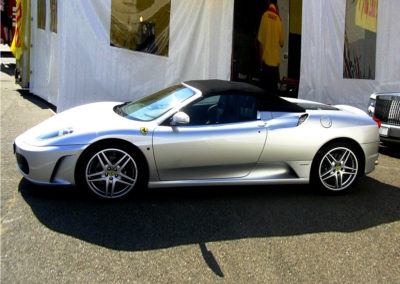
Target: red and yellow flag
pixel 18 44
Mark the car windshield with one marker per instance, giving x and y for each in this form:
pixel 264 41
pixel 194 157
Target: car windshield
pixel 153 106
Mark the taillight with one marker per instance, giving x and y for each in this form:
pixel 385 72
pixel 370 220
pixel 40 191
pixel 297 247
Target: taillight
pixel 377 121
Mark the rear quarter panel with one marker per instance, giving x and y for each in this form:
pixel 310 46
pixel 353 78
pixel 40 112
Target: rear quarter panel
pixel 301 143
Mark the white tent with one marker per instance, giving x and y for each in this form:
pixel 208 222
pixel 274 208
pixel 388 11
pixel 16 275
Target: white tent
pixel 78 65
pixel 321 74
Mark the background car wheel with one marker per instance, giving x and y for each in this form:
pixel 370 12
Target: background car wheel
pixel 336 168
pixel 110 172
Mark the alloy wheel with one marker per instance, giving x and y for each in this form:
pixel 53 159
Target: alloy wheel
pixel 338 169
pixel 111 173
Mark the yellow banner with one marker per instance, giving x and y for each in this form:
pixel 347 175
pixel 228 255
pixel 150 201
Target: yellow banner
pixel 367 14
pixel 18 44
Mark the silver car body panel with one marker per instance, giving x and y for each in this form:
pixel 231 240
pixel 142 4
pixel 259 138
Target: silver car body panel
pixel 271 150
pixel 46 160
pixel 208 152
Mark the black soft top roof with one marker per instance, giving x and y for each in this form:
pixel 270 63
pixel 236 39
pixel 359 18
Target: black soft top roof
pixel 267 101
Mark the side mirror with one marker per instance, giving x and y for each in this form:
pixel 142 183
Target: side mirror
pixel 180 118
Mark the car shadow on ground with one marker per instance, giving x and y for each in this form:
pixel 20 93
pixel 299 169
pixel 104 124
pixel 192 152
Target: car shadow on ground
pixel 390 149
pixel 172 217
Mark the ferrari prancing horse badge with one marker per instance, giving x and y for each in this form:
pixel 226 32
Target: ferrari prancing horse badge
pixel 144 130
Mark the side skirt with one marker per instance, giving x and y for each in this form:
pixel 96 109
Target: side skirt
pixel 217 182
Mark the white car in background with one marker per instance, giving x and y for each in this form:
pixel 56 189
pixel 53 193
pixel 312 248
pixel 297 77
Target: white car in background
pixel 385 109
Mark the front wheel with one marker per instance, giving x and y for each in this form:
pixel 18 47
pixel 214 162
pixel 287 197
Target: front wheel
pixel 108 172
pixel 336 168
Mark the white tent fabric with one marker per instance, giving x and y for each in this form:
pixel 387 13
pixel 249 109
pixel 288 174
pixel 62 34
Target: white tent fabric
pixel 44 60
pixel 321 75
pixel 78 65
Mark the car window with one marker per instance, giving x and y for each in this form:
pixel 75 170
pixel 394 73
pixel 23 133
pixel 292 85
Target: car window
pixel 221 109
pixel 207 101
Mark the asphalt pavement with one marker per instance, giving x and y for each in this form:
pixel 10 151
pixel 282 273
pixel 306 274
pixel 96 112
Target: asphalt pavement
pixel 275 234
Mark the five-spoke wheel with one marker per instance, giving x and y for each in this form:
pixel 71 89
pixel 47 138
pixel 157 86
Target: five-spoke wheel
pixel 109 172
pixel 336 167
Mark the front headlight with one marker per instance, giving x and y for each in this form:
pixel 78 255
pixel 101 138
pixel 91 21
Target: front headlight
pixel 56 133
pixel 372 102
pixel 371 106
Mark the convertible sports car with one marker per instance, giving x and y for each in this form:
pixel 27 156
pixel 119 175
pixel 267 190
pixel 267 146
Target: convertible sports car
pixel 200 133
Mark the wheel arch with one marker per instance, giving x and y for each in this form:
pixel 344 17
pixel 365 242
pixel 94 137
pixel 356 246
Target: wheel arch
pixel 114 142
pixel 359 151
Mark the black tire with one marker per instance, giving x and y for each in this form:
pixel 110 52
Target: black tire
pixel 336 168
pixel 108 171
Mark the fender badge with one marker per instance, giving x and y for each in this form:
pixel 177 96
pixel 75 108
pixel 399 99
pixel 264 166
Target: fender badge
pixel 144 131
pixel 326 121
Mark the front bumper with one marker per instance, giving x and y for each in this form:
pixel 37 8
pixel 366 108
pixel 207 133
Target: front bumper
pixel 389 132
pixel 49 164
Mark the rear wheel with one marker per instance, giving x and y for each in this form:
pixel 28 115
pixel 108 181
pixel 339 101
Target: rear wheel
pixel 109 172
pixel 336 167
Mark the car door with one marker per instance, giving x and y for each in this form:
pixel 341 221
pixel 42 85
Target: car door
pixel 223 140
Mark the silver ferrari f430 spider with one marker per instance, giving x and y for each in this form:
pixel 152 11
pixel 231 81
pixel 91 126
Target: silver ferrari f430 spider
pixel 200 133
